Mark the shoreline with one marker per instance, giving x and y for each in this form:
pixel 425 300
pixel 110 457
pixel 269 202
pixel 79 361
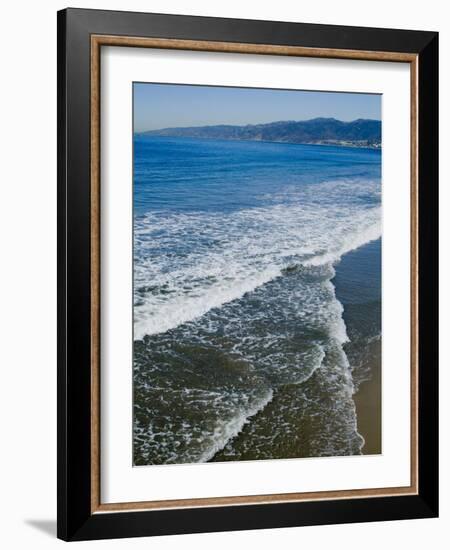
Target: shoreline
pixel 368 395
pixel 368 410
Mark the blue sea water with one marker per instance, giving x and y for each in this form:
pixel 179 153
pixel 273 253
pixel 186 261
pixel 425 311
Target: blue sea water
pixel 239 333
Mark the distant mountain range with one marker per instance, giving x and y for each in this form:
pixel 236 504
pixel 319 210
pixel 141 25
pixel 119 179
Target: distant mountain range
pixel 324 131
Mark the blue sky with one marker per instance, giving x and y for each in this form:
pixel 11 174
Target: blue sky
pixel 166 105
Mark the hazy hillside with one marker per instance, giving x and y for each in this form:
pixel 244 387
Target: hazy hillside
pixel 358 133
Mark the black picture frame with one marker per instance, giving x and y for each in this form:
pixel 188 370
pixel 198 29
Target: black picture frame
pixel 75 518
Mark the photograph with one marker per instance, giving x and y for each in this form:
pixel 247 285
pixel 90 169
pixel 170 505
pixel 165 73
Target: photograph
pixel 247 271
pixel 257 262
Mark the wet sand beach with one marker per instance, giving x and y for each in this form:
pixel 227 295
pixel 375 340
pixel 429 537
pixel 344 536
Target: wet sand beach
pixel 368 409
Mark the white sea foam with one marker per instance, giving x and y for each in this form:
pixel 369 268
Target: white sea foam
pixel 185 307
pixel 354 240
pixel 188 264
pixel 226 430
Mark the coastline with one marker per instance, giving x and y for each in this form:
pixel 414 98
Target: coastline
pixel 368 409
pixel 357 267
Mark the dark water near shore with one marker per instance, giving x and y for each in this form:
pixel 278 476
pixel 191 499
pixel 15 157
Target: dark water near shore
pixel 254 321
pixel 358 288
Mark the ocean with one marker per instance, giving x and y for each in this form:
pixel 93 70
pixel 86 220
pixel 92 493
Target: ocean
pixel 257 298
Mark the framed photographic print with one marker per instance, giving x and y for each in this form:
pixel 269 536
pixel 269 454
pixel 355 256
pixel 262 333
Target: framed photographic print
pixel 247 274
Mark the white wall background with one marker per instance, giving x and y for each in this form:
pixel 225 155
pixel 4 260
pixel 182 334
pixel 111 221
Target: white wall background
pixel 28 272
